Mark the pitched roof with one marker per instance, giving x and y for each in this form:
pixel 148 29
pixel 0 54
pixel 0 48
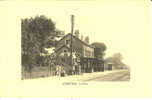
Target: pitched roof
pixel 75 38
pixel 62 47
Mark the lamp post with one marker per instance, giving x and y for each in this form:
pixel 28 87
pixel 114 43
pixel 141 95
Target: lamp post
pixel 72 28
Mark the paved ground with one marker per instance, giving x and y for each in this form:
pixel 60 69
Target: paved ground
pixel 115 75
pixel 123 75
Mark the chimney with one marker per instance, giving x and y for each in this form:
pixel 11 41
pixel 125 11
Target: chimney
pixel 81 37
pixel 77 33
pixel 86 39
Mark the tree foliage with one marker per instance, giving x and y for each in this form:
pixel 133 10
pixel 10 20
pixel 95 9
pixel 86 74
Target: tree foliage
pixel 37 34
pixel 116 60
pixel 99 50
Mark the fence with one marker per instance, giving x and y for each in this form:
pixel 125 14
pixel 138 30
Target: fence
pixel 37 72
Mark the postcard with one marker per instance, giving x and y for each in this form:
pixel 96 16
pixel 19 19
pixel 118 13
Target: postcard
pixel 76 49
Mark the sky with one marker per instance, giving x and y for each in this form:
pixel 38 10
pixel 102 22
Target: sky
pixel 121 25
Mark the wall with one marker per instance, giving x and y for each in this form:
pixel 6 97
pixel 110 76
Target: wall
pixel 88 52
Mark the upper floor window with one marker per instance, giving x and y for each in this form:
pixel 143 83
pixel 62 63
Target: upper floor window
pixel 65 50
pixel 67 42
pixel 65 53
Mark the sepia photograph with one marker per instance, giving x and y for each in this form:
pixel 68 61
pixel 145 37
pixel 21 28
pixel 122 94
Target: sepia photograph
pixel 76 49
pixel 50 52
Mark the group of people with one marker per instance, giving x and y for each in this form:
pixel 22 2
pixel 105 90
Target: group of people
pixel 61 70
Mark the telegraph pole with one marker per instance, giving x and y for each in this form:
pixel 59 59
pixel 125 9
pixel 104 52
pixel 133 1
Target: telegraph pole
pixel 72 28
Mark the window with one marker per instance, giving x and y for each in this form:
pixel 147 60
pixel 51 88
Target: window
pixel 65 51
pixel 67 42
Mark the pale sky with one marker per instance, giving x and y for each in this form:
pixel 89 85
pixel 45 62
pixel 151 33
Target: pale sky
pixel 121 25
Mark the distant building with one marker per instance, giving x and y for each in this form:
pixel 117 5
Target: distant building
pixel 108 66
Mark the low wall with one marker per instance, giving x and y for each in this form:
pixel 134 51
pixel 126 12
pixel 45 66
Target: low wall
pixel 37 72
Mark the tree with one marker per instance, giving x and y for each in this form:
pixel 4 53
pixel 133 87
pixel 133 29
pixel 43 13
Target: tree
pixel 116 60
pixel 42 27
pixel 118 56
pixel 99 50
pixel 37 34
